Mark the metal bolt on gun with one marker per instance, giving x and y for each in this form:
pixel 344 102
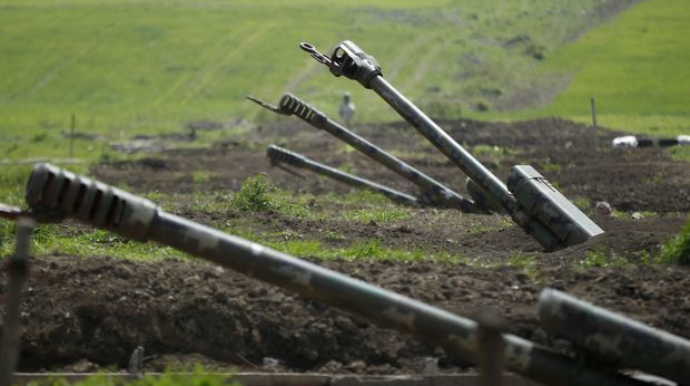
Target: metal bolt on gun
pixel 54 194
pixel 279 155
pixel 529 198
pixel 433 191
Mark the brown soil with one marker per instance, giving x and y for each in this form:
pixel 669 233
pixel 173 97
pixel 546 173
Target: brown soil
pixel 99 309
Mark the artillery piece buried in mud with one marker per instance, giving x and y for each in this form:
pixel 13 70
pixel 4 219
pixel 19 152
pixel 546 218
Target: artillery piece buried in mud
pixel 532 202
pixel 54 194
pixel 433 192
pixel 279 155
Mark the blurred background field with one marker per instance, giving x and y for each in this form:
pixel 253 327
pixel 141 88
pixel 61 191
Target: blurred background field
pixel 144 67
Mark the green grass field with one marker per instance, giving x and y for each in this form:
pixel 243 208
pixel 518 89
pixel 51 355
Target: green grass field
pixel 126 67
pixel 637 68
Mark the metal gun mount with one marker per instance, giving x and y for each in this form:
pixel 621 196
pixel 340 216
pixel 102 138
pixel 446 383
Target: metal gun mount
pixel 433 192
pixel 531 201
pixel 55 194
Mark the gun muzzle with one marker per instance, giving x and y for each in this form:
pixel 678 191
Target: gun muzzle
pixel 616 339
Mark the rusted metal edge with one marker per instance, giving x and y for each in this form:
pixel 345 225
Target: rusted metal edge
pixel 293 379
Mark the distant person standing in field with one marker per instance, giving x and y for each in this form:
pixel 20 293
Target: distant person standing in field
pixel 347 109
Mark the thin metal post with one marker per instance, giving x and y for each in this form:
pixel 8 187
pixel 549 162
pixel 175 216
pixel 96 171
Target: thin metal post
pixel 18 272
pixel 490 348
pixel 71 136
pixel 595 127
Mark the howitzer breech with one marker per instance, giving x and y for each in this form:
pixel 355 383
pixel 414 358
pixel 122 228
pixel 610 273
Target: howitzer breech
pixel 614 338
pixel 57 194
pixel 278 154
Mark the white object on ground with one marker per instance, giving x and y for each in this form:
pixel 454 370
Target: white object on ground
pixel 627 141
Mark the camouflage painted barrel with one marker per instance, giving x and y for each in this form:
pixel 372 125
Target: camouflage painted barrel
pixel 614 338
pixel 54 194
pixel 433 192
pixel 278 154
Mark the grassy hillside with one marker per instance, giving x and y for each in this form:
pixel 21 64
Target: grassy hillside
pixel 637 67
pixel 125 66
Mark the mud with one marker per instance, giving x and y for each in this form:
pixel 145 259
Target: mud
pixel 94 312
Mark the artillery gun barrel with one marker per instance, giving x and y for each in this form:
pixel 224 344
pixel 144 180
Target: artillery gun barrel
pixel 278 154
pixel 291 105
pixel 54 194
pixel 614 338
pixel 537 206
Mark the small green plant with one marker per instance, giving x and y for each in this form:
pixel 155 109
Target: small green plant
pixel 677 250
pixel 253 195
pixel 368 249
pixel 601 259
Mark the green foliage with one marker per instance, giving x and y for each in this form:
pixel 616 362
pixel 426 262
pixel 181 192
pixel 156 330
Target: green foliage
pixel 201 176
pixel 677 250
pixel 253 195
pixel 123 69
pixel 635 67
pixel 681 153
pixel 601 259
pixel 198 377
pixel 370 249
pixel 550 167
pixel 518 260
pixel 376 215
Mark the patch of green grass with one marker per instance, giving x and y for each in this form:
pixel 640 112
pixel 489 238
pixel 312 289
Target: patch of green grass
pixel 253 195
pixel 369 249
pixel 601 259
pixel 198 377
pixel 550 167
pixel 201 176
pixel 361 196
pixel 677 250
pixel 378 216
pixel 681 153
pixel 636 68
pixel 518 260
pixel 496 153
pixel 58 239
pixel 480 228
pixel 146 66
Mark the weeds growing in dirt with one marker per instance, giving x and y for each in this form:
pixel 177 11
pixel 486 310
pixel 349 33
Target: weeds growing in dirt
pixel 198 377
pixel 253 195
pixel 677 250
pixel 601 259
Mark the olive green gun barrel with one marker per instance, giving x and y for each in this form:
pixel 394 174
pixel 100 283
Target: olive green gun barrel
pixel 433 190
pixel 614 338
pixel 280 155
pixel 537 206
pixel 54 194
